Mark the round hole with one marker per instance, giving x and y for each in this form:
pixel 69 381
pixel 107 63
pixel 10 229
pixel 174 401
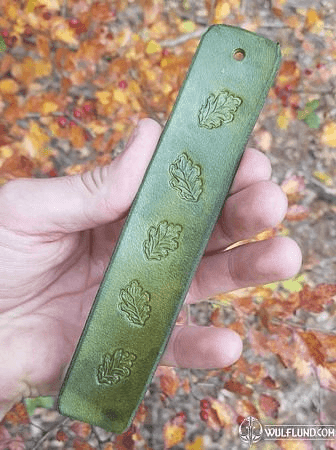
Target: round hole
pixel 239 54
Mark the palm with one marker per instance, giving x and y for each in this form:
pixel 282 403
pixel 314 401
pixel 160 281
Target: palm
pixel 71 268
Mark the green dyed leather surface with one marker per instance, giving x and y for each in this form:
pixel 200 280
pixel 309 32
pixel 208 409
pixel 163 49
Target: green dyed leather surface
pixel 167 230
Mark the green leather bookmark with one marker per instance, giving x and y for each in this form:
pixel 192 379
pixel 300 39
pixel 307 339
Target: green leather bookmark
pixel 167 230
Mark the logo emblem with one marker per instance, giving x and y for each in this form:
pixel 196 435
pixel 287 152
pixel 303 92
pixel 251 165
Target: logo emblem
pixel 250 430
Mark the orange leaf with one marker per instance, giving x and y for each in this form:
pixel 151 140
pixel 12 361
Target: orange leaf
pixel 220 415
pixel 186 385
pixel 61 436
pixel 81 429
pixel 173 434
pixel 245 408
pixel 17 415
pixel 9 86
pixel 152 10
pixel 169 381
pixel 329 344
pixel 289 74
pixel 269 383
pixel 42 44
pixel 244 306
pixel 239 388
pixel 315 299
pixel 269 405
pixel 297 212
pixel 141 414
pixel 125 440
pixel 109 446
pixel 77 136
pixel 24 71
pixel 5 63
pixel 101 11
pixel 79 444
pixel 293 187
pixel 258 342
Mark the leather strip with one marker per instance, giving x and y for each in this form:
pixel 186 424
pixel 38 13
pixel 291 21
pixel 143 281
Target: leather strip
pixel 169 225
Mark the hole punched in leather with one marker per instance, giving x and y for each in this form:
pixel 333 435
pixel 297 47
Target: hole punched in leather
pixel 239 54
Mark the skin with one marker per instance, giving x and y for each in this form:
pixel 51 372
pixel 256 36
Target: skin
pixel 56 239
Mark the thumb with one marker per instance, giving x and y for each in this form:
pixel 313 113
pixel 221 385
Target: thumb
pixel 79 202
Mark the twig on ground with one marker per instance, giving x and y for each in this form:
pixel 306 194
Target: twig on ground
pixel 326 193
pixel 52 429
pixel 184 38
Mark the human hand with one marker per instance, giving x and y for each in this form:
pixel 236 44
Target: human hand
pixel 56 239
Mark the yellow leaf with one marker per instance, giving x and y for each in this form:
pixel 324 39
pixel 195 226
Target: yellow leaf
pixel 8 86
pixel 51 5
pixel 119 126
pixel 311 17
pixel 159 30
pixel 197 444
pixel 120 96
pixel 136 105
pixel 328 134
pixel 153 47
pixel 284 118
pixel 222 10
pixel 49 107
pixel 323 177
pixel 19 27
pixel 166 88
pixel 35 141
pixel 313 21
pixel 64 33
pixel 282 122
pixel 97 127
pixel 187 26
pixel 225 414
pixel 134 87
pixel 292 285
pixel 11 11
pixel 173 434
pixel 6 151
pixel 43 68
pixel 104 97
pixel 150 75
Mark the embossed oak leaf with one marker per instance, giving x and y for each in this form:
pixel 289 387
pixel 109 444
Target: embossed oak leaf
pixel 218 109
pixel 134 303
pixel 116 367
pixel 186 178
pixel 162 240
